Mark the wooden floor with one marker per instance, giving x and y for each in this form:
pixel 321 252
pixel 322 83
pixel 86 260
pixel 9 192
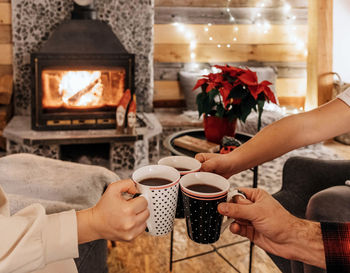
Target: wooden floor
pixel 152 254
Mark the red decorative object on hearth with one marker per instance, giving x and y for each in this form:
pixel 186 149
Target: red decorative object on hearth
pixel 215 128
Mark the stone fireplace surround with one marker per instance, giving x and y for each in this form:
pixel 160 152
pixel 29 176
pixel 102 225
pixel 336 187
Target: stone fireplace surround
pixel 32 24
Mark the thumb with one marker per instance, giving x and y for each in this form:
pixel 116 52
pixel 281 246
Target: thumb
pixel 123 186
pixel 202 157
pixel 237 211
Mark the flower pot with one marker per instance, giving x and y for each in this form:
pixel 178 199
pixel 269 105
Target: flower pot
pixel 216 128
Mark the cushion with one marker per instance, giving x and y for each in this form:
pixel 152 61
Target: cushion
pixel 187 81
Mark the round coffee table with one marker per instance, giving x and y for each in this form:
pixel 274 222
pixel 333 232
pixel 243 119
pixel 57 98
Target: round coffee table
pixel 176 150
pixel 198 133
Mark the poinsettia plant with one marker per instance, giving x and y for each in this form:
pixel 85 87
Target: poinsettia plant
pixel 233 93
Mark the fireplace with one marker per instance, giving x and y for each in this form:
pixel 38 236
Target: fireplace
pixel 49 43
pixel 79 76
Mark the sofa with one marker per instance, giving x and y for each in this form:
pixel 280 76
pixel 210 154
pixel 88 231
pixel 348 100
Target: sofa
pixel 58 185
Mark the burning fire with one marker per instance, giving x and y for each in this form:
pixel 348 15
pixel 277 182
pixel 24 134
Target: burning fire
pixel 82 89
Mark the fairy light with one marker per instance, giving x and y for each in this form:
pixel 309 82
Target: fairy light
pixel 193 45
pixel 260 22
pixel 287 8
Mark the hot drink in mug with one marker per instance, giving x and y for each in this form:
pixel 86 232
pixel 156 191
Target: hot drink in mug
pixel 159 185
pixel 202 192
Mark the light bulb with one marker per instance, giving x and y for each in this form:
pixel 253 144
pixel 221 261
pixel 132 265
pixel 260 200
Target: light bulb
pixel 219 45
pixel 210 38
pixel 193 55
pixel 206 29
pixel 228 45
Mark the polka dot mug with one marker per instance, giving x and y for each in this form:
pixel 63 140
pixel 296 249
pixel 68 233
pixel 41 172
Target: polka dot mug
pixel 202 192
pixel 159 184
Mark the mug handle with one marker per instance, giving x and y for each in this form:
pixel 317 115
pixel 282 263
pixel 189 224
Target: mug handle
pixel 229 221
pixel 144 195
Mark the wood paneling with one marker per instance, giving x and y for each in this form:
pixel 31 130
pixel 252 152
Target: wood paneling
pixel 236 53
pixel 167 90
pixel 5 54
pixel 291 87
pixel 6 83
pixel 223 3
pixel 5 69
pixel 170 71
pixel 225 34
pixel 320 59
pixel 5 34
pixel 5 13
pixel 205 15
pixel 170 90
pixel 296 102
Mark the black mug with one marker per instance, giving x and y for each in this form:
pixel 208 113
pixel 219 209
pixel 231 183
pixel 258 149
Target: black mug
pixel 202 192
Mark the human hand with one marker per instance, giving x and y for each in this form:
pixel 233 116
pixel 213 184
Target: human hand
pixel 265 222
pixel 216 163
pixel 114 217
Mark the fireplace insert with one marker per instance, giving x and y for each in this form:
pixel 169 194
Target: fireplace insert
pixel 79 75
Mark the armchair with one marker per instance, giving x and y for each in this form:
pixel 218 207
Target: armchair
pixel 313 189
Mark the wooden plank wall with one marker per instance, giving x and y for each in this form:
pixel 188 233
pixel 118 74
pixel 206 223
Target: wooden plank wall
pixel 6 80
pixel 238 42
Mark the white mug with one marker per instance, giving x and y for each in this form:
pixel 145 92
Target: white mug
pixel 162 199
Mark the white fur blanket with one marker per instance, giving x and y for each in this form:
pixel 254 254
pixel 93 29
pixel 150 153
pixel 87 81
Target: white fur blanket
pixel 57 185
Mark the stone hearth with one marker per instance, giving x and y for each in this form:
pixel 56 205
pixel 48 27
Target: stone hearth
pixel 126 152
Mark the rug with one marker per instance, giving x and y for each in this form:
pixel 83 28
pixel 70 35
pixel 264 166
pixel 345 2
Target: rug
pixel 270 173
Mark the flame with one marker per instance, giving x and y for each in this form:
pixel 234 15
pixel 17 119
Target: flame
pixel 82 89
pixel 86 83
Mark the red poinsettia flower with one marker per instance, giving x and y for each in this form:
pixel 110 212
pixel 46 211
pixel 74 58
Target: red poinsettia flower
pixel 231 70
pixel 225 91
pixel 225 82
pixel 248 77
pixel 264 87
pixel 199 83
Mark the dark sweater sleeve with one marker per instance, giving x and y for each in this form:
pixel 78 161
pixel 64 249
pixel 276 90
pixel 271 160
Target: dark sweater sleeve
pixel 336 240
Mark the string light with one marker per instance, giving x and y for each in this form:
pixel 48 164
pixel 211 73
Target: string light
pixel 258 19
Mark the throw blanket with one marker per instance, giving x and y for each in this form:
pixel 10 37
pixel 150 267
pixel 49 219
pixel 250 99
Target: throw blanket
pixel 57 185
